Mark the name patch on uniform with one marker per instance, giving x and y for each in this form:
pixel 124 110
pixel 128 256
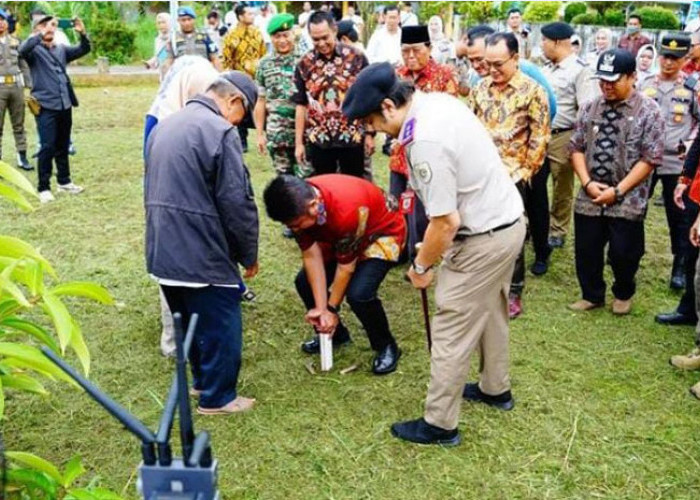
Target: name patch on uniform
pixel 423 172
pixel 408 132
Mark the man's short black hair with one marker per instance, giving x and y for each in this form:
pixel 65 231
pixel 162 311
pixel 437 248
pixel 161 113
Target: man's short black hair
pixel 391 8
pixel 510 39
pixel 635 16
pixel 287 197
pixel 320 17
pixel 515 10
pixel 479 32
pixel 240 9
pixel 213 14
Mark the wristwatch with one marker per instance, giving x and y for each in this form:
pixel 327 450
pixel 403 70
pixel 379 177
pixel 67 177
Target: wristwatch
pixel 420 270
pixel 333 309
pixel 618 195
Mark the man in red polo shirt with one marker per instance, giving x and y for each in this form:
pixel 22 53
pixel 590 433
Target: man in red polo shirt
pixel 350 234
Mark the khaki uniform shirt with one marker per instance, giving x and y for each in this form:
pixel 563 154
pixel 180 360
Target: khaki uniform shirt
pixel 573 83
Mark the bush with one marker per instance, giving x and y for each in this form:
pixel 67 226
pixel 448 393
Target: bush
pixel 658 18
pixel 541 12
pixel 574 9
pixel 589 18
pixel 114 40
pixel 614 17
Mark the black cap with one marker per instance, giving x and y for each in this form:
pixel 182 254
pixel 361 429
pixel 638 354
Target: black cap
pixel 415 34
pixel 373 84
pixel 246 85
pixel 346 28
pixel 557 31
pixel 614 63
pixel 675 46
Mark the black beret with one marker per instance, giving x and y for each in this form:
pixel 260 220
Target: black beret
pixel 415 34
pixel 557 31
pixel 373 85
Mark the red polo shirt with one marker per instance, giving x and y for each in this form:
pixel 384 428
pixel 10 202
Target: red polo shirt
pixel 356 220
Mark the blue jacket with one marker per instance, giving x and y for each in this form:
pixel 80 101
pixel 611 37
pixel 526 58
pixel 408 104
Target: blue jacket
pixel 201 217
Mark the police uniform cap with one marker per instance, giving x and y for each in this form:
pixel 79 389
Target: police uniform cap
pixel 245 84
pixel 415 34
pixel 186 11
pixel 675 46
pixel 557 31
pixel 373 85
pixel 280 22
pixel 614 63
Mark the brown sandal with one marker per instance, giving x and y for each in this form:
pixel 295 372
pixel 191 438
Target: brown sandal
pixel 238 405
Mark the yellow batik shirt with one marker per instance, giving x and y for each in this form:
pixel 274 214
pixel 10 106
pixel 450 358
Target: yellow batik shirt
pixel 243 47
pixel 517 117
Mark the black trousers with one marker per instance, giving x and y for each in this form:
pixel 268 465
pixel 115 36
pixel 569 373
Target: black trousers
pixel 686 306
pixel 678 223
pixel 243 134
pixel 537 209
pixel 350 161
pixel 362 297
pixel 625 241
pixel 54 129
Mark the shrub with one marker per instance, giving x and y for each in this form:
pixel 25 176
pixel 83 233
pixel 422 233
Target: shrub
pixel 574 9
pixel 658 18
pixel 113 39
pixel 614 17
pixel 589 18
pixel 542 12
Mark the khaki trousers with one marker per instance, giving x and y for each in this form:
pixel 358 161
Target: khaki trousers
pixel 562 184
pixel 12 99
pixel 471 296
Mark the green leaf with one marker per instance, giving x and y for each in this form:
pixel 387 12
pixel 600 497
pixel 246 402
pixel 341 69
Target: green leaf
pixel 2 400
pixel 32 329
pixel 30 357
pixel 84 289
pixel 74 469
pixel 36 463
pixel 8 307
pixel 14 247
pixel 81 494
pixel 14 196
pixel 34 277
pixel 62 319
pixel 31 479
pixel 23 383
pixel 77 342
pixel 10 287
pixel 13 176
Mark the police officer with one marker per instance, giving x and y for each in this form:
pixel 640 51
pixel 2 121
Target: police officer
pixel 14 75
pixel 192 42
pixel 476 224
pixel 571 78
pixel 680 112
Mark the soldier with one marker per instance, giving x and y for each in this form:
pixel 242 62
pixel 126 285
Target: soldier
pixel 571 78
pixel 14 76
pixel 190 41
pixel 274 111
pixel 679 109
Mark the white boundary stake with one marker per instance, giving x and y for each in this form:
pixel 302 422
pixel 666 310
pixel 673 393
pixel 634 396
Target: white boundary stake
pixel 326 342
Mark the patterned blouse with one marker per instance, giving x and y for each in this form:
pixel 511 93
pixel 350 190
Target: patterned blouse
pixel 517 117
pixel 321 84
pixel 243 47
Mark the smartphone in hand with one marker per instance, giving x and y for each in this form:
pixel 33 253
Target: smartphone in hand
pixel 66 23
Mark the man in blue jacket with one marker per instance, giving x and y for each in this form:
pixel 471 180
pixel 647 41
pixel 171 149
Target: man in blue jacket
pixel 201 225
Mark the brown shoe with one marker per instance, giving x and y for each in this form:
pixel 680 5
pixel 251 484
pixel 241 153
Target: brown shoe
pixel 688 362
pixel 621 307
pixel 584 305
pixel 238 405
pixel 695 390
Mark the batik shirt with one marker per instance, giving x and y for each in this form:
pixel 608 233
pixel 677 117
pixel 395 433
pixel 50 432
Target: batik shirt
pixel 517 117
pixel 614 137
pixel 243 47
pixel 434 77
pixel 275 83
pixel 321 84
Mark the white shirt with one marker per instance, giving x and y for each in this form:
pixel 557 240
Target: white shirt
pixel 304 18
pixel 455 166
pixel 385 47
pixel 261 22
pixel 409 19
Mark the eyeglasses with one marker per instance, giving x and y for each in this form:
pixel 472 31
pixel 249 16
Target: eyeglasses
pixel 498 64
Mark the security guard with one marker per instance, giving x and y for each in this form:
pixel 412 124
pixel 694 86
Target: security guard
pixel 14 74
pixel 190 41
pixel 680 111
pixel 476 223
pixel 573 84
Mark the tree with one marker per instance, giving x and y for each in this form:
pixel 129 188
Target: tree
pixel 601 7
pixel 574 9
pixel 541 12
pixel 476 12
pixel 658 18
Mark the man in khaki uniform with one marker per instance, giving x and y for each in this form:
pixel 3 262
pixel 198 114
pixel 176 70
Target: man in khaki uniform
pixel 571 78
pixel 13 74
pixel 476 222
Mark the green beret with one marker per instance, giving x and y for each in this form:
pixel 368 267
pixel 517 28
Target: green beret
pixel 280 22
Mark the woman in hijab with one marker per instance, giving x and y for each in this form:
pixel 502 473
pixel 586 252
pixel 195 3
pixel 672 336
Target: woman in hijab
pixel 646 62
pixel 160 44
pixel 603 42
pixel 442 48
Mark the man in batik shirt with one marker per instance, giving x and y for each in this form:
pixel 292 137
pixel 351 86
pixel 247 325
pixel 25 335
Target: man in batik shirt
pixel 428 76
pixel 274 112
pixel 617 143
pixel 515 110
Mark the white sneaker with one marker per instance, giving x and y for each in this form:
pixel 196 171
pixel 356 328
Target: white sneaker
pixel 45 197
pixel 70 188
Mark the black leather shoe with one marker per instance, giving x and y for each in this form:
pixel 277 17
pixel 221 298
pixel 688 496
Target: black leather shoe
pixel 539 268
pixel 556 241
pixel 313 346
pixel 421 432
pixel 502 401
pixel 675 319
pixel 386 360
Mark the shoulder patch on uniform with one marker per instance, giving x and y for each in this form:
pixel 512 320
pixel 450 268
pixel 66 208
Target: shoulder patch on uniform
pixel 423 172
pixel 409 132
pixel 582 62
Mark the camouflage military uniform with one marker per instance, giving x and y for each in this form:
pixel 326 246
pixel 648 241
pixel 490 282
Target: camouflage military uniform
pixel 275 75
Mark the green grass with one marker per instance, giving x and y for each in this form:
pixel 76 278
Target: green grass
pixel 599 412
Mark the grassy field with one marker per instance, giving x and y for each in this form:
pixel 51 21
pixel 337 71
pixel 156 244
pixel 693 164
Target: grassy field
pixel 599 412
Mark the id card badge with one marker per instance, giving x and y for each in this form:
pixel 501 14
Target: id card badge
pixel 408 201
